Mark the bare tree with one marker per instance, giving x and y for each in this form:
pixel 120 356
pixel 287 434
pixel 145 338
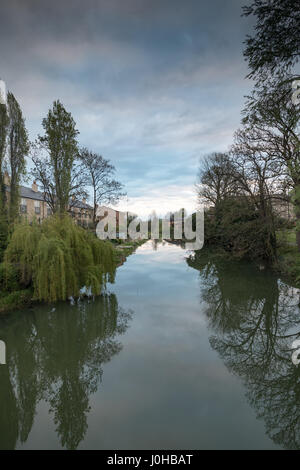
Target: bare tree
pixel 215 179
pixel 258 178
pixel 100 176
pixel 240 187
pixel 274 120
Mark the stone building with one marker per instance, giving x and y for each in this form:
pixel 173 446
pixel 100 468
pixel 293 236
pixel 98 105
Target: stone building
pixel 81 212
pixel 34 206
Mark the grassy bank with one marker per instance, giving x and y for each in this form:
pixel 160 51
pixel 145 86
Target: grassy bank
pixel 125 248
pixel 288 255
pixel 287 265
pixel 15 300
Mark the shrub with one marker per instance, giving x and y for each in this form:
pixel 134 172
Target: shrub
pixel 238 227
pixel 3 235
pixel 9 278
pixel 15 299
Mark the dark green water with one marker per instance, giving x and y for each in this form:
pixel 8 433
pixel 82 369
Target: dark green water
pixel 190 355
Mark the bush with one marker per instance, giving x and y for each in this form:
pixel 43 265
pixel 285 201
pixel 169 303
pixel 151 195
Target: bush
pixel 15 299
pixel 9 278
pixel 3 235
pixel 236 226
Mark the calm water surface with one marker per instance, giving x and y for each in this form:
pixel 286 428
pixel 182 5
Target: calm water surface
pixel 179 354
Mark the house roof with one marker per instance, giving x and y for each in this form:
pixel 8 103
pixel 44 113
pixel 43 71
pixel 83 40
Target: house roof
pixel 28 193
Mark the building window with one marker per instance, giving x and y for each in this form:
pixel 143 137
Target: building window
pixel 37 207
pixel 23 206
pixel 49 211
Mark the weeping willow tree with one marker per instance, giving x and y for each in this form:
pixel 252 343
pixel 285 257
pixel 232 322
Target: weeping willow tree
pixel 58 258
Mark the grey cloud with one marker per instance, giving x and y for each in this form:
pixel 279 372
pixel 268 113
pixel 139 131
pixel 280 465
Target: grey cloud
pixel 152 84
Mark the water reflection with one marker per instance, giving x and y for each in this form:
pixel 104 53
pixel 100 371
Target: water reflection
pixel 255 318
pixel 56 357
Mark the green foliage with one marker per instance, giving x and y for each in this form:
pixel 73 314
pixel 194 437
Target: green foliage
pixel 9 278
pixel 22 248
pixel 286 236
pixel 3 235
pixel 4 121
pixel 236 226
pixel 58 258
pixel 15 300
pixel 18 147
pixel 288 255
pixel 60 140
pixel 275 43
pixel 3 132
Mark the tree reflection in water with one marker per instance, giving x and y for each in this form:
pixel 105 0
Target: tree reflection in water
pixel 56 357
pixel 254 318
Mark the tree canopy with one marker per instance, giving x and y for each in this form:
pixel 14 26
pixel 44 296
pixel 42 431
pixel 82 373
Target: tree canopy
pixel 275 45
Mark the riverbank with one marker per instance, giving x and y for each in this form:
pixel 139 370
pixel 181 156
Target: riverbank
pixel 15 300
pixel 288 257
pixel 125 248
pixel 288 265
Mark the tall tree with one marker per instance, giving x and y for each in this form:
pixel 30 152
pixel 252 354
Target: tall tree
pixel 275 45
pixel 100 176
pixel 272 53
pixel 54 156
pixel 3 141
pixel 258 178
pixel 238 187
pixel 3 212
pixel 275 119
pixel 18 147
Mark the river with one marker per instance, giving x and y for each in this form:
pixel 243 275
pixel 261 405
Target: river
pixel 178 354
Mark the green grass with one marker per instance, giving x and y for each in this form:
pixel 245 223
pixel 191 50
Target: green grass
pixel 126 248
pixel 286 237
pixel 288 255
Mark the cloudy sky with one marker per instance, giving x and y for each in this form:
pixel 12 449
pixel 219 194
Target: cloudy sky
pixel 153 85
